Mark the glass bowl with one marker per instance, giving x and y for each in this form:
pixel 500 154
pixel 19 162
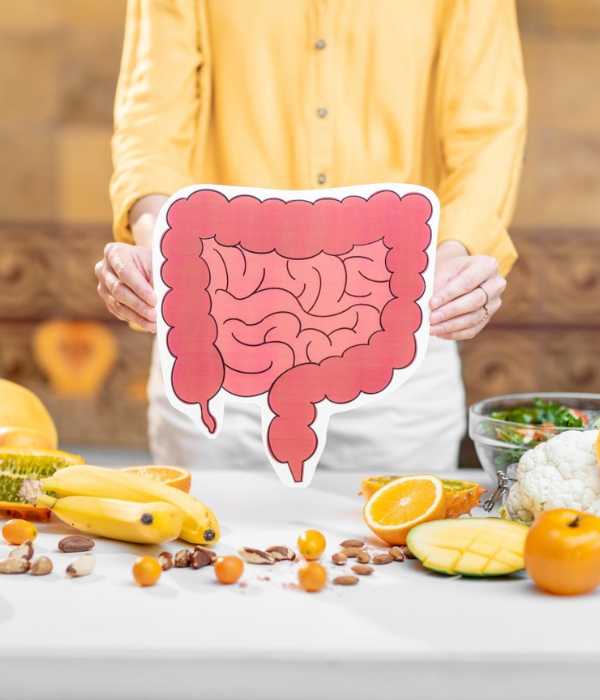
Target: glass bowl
pixel 500 443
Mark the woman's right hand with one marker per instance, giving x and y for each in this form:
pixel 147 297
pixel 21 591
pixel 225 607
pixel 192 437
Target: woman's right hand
pixel 125 284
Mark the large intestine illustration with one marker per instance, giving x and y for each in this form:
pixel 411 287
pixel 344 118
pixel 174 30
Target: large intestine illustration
pixel 309 307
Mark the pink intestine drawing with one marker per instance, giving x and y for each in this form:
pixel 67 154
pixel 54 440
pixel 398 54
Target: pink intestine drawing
pixel 307 306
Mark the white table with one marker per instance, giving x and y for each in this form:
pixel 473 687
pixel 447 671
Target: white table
pixel 402 633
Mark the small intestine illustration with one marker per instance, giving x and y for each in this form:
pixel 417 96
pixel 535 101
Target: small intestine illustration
pixel 308 307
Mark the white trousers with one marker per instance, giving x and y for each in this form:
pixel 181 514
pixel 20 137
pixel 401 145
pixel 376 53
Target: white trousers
pixel 417 428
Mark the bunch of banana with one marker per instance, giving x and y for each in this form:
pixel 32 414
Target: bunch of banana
pixel 104 488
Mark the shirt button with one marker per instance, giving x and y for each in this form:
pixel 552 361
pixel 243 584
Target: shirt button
pixel 321 113
pixel 321 178
pixel 320 44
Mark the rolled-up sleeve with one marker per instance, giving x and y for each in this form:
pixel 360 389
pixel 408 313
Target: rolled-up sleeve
pixel 156 105
pixel 482 105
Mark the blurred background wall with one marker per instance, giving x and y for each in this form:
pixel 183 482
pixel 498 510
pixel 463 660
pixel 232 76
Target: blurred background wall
pixel 59 63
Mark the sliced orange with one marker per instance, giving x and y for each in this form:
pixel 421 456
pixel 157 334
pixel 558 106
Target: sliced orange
pixel 461 496
pixel 178 477
pixel 394 509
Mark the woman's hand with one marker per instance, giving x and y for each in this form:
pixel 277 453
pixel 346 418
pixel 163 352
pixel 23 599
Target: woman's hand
pixel 125 284
pixel 467 292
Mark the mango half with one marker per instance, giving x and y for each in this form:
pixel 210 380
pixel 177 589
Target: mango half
pixel 470 546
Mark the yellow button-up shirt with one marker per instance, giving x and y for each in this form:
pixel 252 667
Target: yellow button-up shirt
pixel 325 93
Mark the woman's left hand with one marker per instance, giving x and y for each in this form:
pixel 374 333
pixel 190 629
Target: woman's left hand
pixel 467 293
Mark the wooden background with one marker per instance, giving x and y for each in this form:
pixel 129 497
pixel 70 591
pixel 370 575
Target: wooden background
pixel 59 62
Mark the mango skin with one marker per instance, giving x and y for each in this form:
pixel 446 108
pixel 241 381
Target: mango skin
pixel 473 547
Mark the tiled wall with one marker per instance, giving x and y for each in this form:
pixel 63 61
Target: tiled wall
pixel 59 63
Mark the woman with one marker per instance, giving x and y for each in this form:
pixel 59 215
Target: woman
pixel 324 93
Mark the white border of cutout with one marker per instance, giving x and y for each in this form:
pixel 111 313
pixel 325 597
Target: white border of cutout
pixel 325 409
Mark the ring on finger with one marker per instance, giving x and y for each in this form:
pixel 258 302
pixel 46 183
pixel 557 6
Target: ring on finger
pixel 486 312
pixel 487 298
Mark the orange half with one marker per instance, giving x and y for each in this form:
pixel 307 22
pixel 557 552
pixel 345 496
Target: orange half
pixel 177 477
pixel 394 509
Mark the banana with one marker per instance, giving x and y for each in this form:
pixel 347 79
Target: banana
pixel 200 526
pixel 145 523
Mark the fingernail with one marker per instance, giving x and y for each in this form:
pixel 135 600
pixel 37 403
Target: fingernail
pixel 435 317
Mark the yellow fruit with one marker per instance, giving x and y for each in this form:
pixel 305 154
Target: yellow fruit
pixel 200 525
pixel 146 571
pixel 461 496
pixel 312 577
pixel 470 546
pixel 18 531
pixel 24 438
pixel 20 409
pixel 177 477
pixel 128 521
pixel 311 544
pixel 403 503
pixel 228 569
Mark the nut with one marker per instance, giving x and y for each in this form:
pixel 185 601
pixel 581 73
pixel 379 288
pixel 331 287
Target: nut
pixel 345 580
pixel 352 543
pixel 407 553
pixel 209 553
pixel 182 558
pixel 256 556
pixel 42 566
pixel 339 558
pixel 76 543
pixel 23 551
pixel 363 569
pixel 200 558
pixel 166 560
pixel 363 558
pixel 14 565
pixel 281 553
pixel 83 566
pixel 352 552
pixel 384 558
pixel 397 554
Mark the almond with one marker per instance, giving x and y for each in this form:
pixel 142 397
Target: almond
pixel 384 558
pixel 256 556
pixel 352 543
pixel 345 580
pixel 363 569
pixel 363 558
pixel 339 558
pixel 397 554
pixel 352 552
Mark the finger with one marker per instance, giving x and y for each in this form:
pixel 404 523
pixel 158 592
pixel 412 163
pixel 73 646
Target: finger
pixel 460 323
pixel 466 334
pixel 124 313
pixel 129 273
pixel 121 293
pixel 467 303
pixel 481 268
pixel 108 300
pixel 494 287
pixel 466 327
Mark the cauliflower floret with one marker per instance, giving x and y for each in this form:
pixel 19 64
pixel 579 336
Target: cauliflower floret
pixel 560 473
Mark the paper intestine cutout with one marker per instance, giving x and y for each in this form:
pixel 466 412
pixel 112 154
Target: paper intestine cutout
pixel 307 302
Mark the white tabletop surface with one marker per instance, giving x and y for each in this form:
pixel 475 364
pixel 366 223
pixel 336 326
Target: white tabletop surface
pixel 402 633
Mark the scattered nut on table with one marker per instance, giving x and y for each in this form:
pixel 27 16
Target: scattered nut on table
pixel 345 580
pixel 23 551
pixel 83 566
pixel 281 552
pixel 384 558
pixel 352 552
pixel 256 556
pixel 352 543
pixel 182 558
pixel 210 553
pixel 42 566
pixel 200 558
pixel 339 558
pixel 76 543
pixel 165 559
pixel 363 557
pixel 14 565
pixel 397 554
pixel 363 569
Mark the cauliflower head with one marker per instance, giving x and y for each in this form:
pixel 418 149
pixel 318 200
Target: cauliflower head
pixel 560 473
